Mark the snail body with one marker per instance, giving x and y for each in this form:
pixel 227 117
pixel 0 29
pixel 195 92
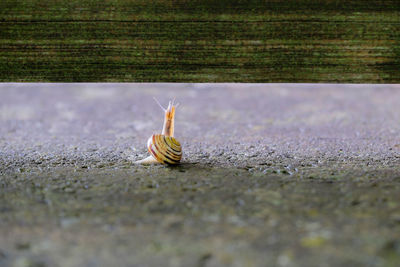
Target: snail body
pixel 164 148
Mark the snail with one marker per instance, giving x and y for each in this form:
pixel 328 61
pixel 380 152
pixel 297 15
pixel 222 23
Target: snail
pixel 164 148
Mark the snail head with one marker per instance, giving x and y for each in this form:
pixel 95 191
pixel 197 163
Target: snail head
pixel 169 120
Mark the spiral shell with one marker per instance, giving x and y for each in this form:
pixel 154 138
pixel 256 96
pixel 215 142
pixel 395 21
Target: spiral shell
pixel 165 149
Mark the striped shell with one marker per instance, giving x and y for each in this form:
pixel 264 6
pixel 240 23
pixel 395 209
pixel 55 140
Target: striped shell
pixel 165 149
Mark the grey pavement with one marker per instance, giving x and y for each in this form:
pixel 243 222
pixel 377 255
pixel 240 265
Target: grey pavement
pixel 272 175
pixel 218 124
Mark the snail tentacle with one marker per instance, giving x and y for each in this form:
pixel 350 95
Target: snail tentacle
pixel 155 99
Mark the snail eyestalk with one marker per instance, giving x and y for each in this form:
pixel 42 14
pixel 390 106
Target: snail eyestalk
pixel 169 120
pixel 164 148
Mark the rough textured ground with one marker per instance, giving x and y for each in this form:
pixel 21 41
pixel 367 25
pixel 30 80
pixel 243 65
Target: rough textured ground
pixel 272 175
pixel 355 41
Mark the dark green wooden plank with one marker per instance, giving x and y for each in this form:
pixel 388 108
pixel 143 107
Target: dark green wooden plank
pixel 200 41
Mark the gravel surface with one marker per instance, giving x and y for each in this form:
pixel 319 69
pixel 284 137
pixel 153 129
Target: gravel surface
pixel 231 125
pixel 272 175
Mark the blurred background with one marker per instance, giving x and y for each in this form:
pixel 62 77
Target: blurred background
pixel 200 41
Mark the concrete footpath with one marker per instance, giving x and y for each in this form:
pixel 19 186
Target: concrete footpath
pixel 272 175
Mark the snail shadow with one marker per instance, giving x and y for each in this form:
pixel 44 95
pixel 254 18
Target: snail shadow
pixel 187 166
pixel 191 166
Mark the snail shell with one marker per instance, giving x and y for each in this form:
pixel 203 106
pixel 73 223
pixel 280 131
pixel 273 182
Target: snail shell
pixel 165 149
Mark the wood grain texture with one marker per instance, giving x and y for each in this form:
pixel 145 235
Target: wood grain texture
pixel 200 41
